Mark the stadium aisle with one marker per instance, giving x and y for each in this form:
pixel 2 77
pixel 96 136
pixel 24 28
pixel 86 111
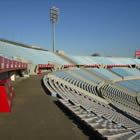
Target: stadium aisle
pixel 35 116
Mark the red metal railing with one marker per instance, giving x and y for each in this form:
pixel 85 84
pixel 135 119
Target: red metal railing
pixel 41 66
pixel 11 65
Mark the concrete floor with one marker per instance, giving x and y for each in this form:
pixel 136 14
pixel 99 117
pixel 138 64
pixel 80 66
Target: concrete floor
pixel 37 116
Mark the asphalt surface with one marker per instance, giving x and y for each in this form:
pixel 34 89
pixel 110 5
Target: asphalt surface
pixel 38 116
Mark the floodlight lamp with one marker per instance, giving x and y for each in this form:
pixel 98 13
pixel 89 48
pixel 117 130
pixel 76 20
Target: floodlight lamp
pixel 54 14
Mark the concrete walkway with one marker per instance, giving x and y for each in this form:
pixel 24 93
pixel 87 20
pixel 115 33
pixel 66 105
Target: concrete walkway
pixel 37 116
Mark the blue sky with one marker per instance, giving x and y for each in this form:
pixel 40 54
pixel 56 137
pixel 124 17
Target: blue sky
pixel 107 27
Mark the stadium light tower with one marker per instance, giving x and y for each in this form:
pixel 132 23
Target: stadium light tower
pixel 54 19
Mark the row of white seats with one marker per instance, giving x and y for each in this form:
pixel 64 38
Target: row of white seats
pixel 91 104
pixel 122 100
pixel 107 129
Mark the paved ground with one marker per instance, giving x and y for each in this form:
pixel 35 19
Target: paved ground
pixel 37 116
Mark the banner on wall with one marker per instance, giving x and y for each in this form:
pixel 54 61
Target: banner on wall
pixel 137 53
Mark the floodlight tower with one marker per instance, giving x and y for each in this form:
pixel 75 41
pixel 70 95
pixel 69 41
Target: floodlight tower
pixel 54 19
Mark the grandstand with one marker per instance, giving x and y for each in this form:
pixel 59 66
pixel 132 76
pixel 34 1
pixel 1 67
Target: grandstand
pixel 102 93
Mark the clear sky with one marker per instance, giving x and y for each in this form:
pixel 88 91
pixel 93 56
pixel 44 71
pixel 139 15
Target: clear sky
pixel 107 27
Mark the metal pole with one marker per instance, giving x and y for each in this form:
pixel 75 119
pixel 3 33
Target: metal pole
pixel 53 37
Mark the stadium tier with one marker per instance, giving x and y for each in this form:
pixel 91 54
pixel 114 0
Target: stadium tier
pixel 87 76
pixel 34 55
pixel 95 111
pixel 126 71
pixel 133 85
pixel 106 96
pixel 88 60
pixel 104 73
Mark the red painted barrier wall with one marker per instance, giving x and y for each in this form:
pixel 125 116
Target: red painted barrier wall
pixel 10 65
pixel 6 89
pixel 6 95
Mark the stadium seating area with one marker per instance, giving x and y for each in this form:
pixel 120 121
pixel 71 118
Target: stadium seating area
pixel 33 55
pixel 105 99
pixel 126 71
pixel 96 113
pixel 132 85
pixel 104 73
pixel 88 60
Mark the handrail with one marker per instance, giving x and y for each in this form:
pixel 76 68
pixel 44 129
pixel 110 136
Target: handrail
pixel 41 66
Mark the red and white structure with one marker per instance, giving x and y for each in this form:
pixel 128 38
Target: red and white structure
pixel 137 53
pixel 6 88
pixel 11 65
pixel 6 95
pixel 49 66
